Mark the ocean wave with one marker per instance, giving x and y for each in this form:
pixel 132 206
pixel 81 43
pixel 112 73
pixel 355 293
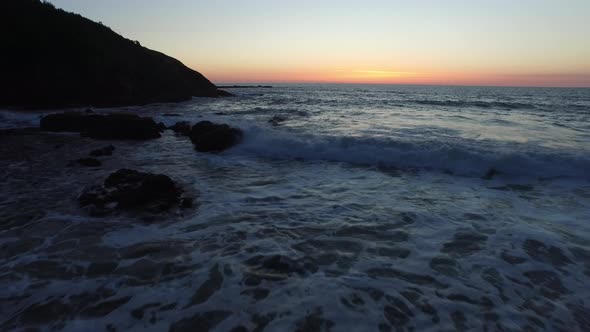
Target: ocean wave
pixel 466 158
pixel 479 104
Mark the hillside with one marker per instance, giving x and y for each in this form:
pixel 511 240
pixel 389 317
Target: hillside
pixel 52 58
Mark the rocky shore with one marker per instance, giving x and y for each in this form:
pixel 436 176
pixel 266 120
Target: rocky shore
pixel 123 189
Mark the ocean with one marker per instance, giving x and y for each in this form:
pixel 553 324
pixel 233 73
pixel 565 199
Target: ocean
pixel 344 208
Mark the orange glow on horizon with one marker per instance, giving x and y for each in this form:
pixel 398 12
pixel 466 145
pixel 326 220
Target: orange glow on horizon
pixel 378 76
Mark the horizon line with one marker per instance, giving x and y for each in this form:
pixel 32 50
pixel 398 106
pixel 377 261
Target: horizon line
pixel 403 84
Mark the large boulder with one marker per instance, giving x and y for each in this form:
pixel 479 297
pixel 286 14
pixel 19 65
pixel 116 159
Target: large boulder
pixel 129 189
pixel 103 126
pixel 212 137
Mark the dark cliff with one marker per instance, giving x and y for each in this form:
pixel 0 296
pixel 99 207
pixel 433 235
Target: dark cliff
pixel 52 58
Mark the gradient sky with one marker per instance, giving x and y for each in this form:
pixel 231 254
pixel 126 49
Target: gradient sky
pixel 495 42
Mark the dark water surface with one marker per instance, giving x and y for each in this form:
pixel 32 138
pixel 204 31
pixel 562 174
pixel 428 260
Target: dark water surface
pixel 357 208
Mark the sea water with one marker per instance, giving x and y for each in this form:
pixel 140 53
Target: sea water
pixel 344 208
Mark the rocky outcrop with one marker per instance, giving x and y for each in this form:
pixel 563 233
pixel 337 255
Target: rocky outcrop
pixel 129 189
pixel 103 126
pixel 212 137
pixel 182 128
pixel 52 58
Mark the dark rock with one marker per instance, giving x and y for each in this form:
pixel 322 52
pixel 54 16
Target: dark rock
pixel 129 189
pixel 88 162
pixel 211 137
pixel 182 128
pixel 102 126
pixel 84 63
pixel 106 151
pixel 161 126
pixel 490 174
pixel 277 120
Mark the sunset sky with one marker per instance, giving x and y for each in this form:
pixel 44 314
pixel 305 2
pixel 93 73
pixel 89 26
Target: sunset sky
pixel 499 42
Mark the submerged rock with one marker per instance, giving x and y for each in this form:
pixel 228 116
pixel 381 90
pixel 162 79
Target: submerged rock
pixel 89 162
pixel 212 137
pixel 277 120
pixel 182 128
pixel 105 151
pixel 130 189
pixel 102 126
pixel 490 174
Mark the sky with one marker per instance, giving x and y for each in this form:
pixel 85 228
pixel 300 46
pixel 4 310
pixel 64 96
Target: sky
pixel 455 42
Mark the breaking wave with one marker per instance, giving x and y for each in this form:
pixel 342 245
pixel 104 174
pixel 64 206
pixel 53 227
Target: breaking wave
pixel 463 157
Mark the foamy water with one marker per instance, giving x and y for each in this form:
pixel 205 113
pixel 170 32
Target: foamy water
pixel 363 209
